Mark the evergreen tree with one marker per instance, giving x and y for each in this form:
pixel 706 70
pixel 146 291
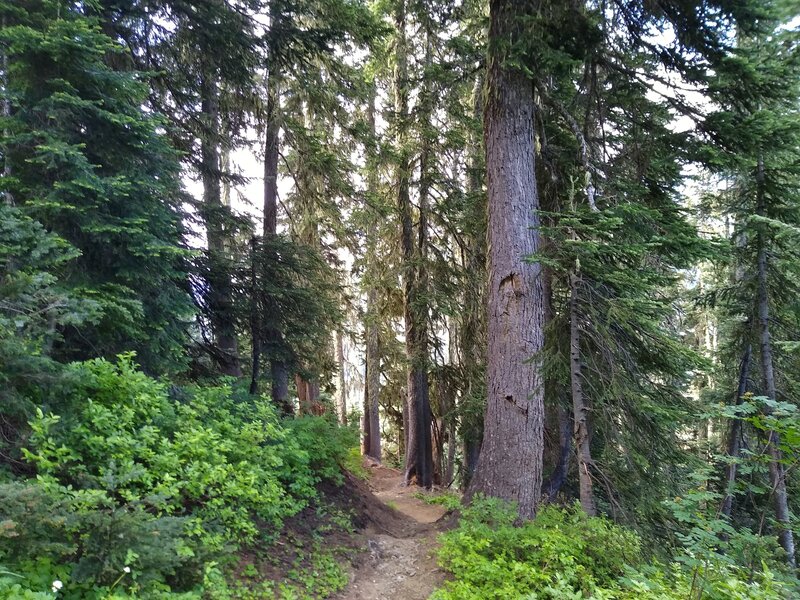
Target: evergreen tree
pixel 88 163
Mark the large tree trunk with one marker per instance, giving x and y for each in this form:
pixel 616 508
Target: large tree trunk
pixel 510 465
pixel 279 371
pixel 580 410
pixel 220 300
pixel 734 437
pixel 419 459
pixel 777 474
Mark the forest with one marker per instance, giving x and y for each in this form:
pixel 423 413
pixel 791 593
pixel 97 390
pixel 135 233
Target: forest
pixel 376 299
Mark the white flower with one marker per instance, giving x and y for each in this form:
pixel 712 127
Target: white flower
pixel 57 585
pixel 127 569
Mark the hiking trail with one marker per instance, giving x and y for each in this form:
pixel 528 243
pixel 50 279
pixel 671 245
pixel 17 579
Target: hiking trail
pixel 400 561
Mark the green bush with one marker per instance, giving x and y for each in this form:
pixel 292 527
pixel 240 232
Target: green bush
pixel 564 554
pixel 133 473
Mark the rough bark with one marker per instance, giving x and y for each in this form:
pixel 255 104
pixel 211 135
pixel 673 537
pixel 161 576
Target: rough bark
pixel 777 473
pixel 510 465
pixel 419 461
pixel 220 301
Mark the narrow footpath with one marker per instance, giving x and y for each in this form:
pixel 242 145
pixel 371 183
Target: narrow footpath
pixel 400 563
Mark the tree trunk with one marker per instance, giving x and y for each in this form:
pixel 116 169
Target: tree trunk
pixel 255 320
pixel 580 410
pixel 777 474
pixel 372 380
pixel 220 301
pixel 372 383
pixel 5 112
pixel 341 382
pixel 279 371
pixel 419 460
pixel 734 437
pixel 555 481
pixel 510 465
pixel 473 333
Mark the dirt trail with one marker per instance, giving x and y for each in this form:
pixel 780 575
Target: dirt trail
pixel 400 563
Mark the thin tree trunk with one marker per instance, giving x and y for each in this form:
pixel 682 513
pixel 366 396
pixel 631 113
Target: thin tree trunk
pixel 341 381
pixel 255 320
pixel 473 334
pixel 365 423
pixel 279 371
pixel 579 408
pixel 734 437
pixel 555 481
pixel 510 465
pixel 776 471
pixel 372 383
pixel 8 197
pixel 419 459
pixel 220 299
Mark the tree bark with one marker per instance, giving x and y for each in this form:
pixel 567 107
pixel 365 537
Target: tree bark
pixel 776 470
pixel 372 383
pixel 510 465
pixel 580 410
pixel 473 332
pixel 419 460
pixel 341 381
pixel 279 371
pixel 8 197
pixel 220 301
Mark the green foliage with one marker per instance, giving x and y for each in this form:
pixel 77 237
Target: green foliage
pixel 565 554
pixel 449 500
pixel 92 166
pixel 136 474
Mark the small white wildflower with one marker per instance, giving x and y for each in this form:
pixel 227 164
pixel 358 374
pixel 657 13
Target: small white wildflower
pixel 127 569
pixel 57 585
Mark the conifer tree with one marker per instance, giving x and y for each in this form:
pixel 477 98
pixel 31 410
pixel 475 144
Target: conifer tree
pixel 92 167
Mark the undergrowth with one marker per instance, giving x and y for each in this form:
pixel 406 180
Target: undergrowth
pixel 563 554
pixel 147 490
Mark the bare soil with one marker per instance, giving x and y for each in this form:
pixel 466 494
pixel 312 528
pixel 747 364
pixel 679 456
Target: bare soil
pixel 400 541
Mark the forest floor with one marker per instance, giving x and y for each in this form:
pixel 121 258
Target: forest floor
pixel 400 561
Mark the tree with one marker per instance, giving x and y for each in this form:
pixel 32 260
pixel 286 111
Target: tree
pixel 510 465
pixel 94 168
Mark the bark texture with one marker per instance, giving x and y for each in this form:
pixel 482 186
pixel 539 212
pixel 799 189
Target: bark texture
pixel 510 465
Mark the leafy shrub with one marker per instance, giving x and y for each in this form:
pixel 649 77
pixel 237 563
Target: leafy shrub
pixel 564 554
pixel 133 474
